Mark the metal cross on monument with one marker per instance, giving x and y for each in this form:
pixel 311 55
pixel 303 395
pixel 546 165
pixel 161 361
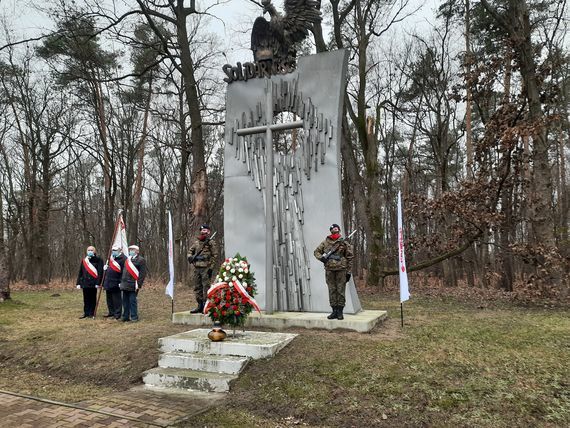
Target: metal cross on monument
pixel 268 128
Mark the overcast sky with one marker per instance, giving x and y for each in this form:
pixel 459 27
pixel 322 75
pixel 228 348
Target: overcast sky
pixel 233 22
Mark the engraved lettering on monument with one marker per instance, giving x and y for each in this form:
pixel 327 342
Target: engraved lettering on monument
pixel 280 200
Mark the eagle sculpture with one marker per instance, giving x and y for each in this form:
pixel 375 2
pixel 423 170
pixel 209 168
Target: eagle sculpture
pixel 274 40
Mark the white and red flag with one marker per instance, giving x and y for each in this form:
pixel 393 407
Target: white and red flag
pixel 404 291
pixel 170 285
pixel 120 238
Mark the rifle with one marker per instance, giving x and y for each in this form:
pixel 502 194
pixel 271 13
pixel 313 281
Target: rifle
pixel 192 259
pixel 325 257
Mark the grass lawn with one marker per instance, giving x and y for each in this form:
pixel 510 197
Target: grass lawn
pixel 454 364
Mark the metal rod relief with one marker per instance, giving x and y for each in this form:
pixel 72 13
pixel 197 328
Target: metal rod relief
pixel 269 196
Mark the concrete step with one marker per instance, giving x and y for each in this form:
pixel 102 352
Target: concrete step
pixel 230 364
pixel 253 344
pixel 184 379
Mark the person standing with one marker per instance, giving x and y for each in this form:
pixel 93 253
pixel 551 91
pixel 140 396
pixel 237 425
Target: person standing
pixel 202 254
pixel 337 255
pixel 132 281
pixel 89 279
pixel 114 273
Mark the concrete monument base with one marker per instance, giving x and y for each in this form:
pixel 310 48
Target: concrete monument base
pixel 191 362
pixel 362 322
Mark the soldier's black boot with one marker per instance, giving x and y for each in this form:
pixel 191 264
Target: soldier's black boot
pixel 199 309
pixel 333 315
pixel 339 315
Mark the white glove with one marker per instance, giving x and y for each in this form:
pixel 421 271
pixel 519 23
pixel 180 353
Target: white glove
pixel 136 285
pixel 97 286
pixel 105 267
pixel 78 286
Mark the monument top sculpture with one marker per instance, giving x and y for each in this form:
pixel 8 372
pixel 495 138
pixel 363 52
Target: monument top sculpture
pixel 274 40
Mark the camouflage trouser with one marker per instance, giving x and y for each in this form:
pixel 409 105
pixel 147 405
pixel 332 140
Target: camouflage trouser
pixel 336 281
pixel 201 284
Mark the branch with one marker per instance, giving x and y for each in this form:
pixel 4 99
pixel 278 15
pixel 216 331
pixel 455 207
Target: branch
pixel 438 259
pixel 500 20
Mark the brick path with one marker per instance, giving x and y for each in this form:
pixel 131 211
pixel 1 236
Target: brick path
pixel 134 408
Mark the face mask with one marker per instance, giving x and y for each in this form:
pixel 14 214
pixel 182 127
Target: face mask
pixel 132 253
pixel 90 253
pixel 115 254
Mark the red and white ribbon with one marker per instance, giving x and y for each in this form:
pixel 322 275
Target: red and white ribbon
pixel 238 286
pixel 90 268
pixel 213 288
pixel 115 265
pixel 132 269
pixel 244 294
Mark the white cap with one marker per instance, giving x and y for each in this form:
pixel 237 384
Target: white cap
pixel 134 247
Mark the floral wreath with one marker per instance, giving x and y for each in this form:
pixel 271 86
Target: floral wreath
pixel 230 298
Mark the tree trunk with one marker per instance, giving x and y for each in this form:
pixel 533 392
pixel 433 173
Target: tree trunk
pixel 541 218
pixel 137 193
pixel 468 120
pixel 181 233
pixel 108 215
pixel 4 280
pixel 199 183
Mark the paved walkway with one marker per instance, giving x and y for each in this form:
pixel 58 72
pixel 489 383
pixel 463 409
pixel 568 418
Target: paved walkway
pixel 134 408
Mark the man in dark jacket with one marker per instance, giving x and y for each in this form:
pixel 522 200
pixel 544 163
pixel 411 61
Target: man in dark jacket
pixel 114 273
pixel 337 255
pixel 89 279
pixel 132 281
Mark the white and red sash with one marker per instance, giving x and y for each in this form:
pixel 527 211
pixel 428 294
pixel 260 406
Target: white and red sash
pixel 90 268
pixel 241 289
pixel 115 265
pixel 237 285
pixel 132 269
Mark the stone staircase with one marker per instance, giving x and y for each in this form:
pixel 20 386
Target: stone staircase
pixel 191 362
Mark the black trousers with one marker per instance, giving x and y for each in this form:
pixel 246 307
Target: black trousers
pixel 114 302
pixel 89 301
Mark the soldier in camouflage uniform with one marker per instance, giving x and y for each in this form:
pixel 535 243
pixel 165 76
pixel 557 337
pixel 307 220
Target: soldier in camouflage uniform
pixel 202 254
pixel 337 255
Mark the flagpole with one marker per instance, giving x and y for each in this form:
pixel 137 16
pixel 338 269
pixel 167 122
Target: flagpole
pixel 402 313
pixel 108 257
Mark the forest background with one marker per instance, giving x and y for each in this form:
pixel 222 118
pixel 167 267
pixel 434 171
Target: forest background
pixel 120 105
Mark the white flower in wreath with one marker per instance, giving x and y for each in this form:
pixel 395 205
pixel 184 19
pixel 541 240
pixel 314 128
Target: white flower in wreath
pixel 246 270
pixel 234 278
pixel 240 276
pixel 228 267
pixel 235 259
pixel 240 270
pixel 244 284
pixel 232 270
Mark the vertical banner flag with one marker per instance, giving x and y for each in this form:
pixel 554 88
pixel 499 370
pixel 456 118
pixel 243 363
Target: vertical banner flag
pixel 170 285
pixel 404 291
pixel 120 238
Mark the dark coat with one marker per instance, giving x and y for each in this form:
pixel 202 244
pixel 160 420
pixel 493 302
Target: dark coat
pixel 127 281
pixel 112 278
pixel 85 279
